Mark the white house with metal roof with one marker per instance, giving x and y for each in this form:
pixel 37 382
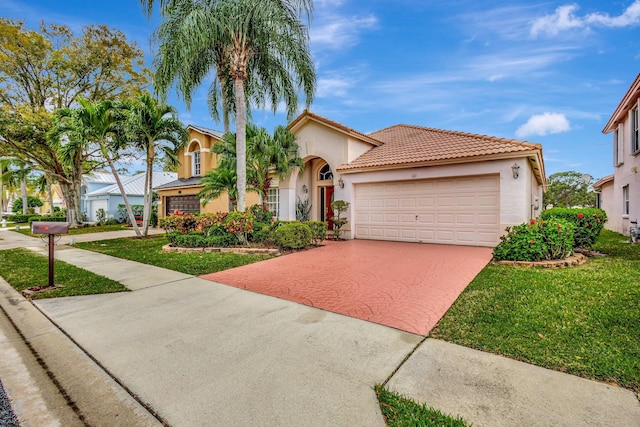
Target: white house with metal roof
pixel 109 197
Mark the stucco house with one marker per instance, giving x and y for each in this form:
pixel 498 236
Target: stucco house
pixel 403 183
pixel 109 197
pixel 619 193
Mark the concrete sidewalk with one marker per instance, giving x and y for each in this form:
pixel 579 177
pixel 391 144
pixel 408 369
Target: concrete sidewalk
pixel 201 353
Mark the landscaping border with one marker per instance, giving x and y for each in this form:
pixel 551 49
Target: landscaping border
pixel 246 251
pixel 570 261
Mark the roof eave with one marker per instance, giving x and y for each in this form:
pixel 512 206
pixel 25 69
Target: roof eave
pixel 307 116
pixel 534 156
pixel 624 106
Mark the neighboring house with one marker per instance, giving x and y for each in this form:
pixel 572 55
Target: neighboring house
pixel 195 160
pixel 92 182
pixel 404 183
pixel 620 193
pixel 109 197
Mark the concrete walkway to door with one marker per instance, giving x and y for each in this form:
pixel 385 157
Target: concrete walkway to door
pixel 408 286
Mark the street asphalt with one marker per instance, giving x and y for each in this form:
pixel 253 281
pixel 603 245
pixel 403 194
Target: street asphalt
pixel 198 353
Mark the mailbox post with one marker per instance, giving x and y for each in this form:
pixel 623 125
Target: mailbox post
pixel 50 228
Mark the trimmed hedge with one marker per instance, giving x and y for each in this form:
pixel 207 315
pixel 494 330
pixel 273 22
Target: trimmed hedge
pixel 536 240
pixel 198 240
pixel 294 235
pixel 588 223
pixel 318 231
pixel 47 218
pixel 21 218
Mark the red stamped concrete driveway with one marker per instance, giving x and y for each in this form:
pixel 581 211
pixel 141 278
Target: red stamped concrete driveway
pixel 408 286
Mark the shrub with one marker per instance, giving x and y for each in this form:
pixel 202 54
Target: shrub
pixel 46 218
pixel 535 241
pixel 261 232
pixel 240 224
pixel 318 231
pixel 112 221
pixel 183 223
pixel 21 218
pixel 207 221
pixel 198 240
pixel 122 212
pixel 294 235
pixel 261 214
pixel 588 223
pixel 32 202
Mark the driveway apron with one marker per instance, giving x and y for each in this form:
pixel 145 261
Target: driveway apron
pixel 408 286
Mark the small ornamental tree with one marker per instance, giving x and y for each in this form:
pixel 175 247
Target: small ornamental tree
pixel 338 206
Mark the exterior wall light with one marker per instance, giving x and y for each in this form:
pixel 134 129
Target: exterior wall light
pixel 515 169
pixel 305 189
pixel 341 183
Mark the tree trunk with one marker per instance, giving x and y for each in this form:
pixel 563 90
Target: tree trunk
pixel 49 193
pixel 25 196
pixel 114 171
pixel 241 144
pixel 2 204
pixel 148 190
pixel 70 201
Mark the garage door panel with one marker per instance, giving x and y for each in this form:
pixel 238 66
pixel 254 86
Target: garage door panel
pixel 451 210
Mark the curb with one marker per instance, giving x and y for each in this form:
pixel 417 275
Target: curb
pixel 90 391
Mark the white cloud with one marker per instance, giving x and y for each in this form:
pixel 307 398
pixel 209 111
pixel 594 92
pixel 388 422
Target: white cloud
pixel 543 124
pixel 565 18
pixel 338 32
pixel 329 87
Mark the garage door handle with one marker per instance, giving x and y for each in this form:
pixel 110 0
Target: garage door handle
pixel 416 217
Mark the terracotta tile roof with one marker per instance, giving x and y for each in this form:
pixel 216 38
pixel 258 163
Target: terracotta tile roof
pixel 308 115
pixel 405 144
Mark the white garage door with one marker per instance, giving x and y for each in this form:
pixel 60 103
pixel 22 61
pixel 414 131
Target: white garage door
pixel 459 211
pixel 95 205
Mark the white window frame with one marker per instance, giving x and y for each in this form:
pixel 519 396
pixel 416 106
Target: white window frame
pixel 625 200
pixel 634 125
pixel 196 163
pixel 273 201
pixel 618 145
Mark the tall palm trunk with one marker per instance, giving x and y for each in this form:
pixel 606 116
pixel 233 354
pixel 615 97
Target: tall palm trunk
pixel 148 190
pixel 114 171
pixel 25 197
pixel 241 143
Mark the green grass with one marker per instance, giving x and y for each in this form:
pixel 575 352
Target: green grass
pixel 24 269
pixel 149 251
pixel 399 411
pixel 581 320
pixel 26 229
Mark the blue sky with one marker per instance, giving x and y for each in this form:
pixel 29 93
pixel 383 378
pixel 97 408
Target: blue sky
pixel 549 72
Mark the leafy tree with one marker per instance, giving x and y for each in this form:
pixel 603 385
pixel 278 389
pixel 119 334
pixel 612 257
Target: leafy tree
pixel 153 126
pixel 568 189
pixel 16 174
pixel 32 202
pixel 100 123
pixel 260 47
pixel 53 67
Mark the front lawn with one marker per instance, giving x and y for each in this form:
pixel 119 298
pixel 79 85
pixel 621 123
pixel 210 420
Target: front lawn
pixel 398 411
pixel 24 269
pixel 581 320
pixel 149 251
pixel 26 229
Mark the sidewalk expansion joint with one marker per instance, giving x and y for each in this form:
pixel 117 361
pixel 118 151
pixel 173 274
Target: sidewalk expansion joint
pixel 384 384
pixel 164 283
pixel 144 404
pixel 46 369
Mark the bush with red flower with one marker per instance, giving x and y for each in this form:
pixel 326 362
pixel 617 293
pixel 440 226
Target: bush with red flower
pixel 589 222
pixel 536 240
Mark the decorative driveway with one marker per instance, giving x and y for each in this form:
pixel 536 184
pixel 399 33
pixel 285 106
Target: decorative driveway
pixel 408 286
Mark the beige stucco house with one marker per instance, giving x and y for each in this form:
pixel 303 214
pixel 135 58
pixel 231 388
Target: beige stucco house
pixel 403 183
pixel 619 193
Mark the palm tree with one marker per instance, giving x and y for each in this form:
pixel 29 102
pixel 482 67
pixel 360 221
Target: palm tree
pixel 153 126
pixel 98 122
pixel 218 181
pixel 260 47
pixel 16 172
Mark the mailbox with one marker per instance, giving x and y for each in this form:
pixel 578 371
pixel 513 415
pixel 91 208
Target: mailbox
pixel 49 227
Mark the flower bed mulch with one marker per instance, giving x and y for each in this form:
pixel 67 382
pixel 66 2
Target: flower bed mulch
pixel 571 261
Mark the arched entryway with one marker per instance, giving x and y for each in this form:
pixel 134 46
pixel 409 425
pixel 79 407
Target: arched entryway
pixel 325 190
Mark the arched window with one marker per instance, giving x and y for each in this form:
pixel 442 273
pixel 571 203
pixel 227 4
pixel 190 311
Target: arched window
pixel 325 174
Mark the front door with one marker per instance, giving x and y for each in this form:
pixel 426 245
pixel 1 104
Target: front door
pixel 326 213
